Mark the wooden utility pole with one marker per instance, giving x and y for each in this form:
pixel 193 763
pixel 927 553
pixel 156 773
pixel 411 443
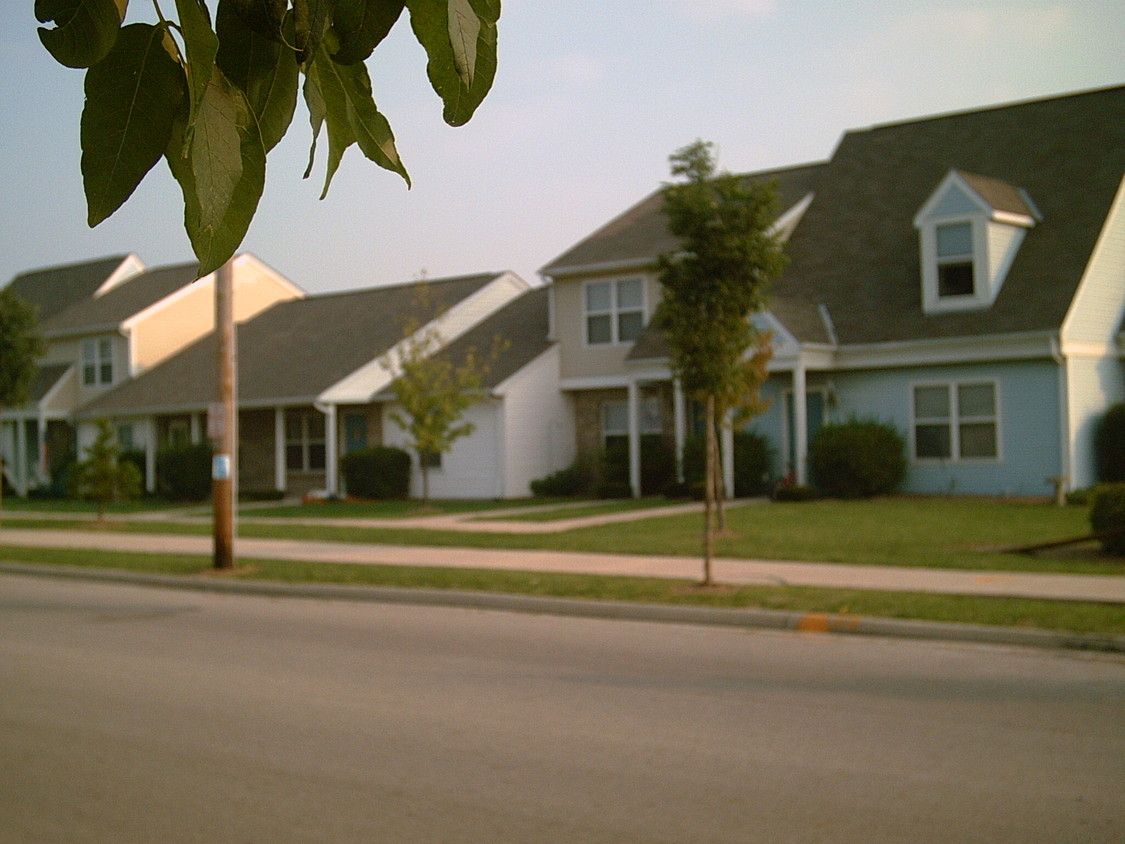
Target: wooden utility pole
pixel 222 423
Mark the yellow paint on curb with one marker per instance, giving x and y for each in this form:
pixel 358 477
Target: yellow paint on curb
pixel 813 622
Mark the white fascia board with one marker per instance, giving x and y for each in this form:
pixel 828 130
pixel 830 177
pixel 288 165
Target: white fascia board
pixel 131 266
pixel 278 279
pixel 952 179
pixel 362 385
pixel 1106 248
pixel 604 268
pixel 784 225
pixel 594 382
pixel 945 351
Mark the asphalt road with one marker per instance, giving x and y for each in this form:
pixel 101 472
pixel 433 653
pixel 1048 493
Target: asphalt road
pixel 132 714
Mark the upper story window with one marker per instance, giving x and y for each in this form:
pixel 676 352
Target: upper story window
pixel 97 362
pixel 955 272
pixel 970 230
pixel 956 421
pixel 615 310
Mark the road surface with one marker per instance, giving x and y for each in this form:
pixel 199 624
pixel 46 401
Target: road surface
pixel 132 714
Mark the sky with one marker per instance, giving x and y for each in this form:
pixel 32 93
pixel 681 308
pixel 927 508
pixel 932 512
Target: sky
pixel 590 99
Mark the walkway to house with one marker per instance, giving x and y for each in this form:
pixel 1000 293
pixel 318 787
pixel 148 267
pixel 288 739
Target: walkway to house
pixel 1069 587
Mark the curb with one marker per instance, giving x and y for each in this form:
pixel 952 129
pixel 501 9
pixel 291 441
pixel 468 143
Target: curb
pixel 805 622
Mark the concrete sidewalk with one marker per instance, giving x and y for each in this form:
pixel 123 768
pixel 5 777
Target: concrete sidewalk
pixel 1066 587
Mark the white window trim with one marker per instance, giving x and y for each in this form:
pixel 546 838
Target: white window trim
pixel 90 354
pixel 306 441
pixel 613 313
pixel 954 421
pixel 987 279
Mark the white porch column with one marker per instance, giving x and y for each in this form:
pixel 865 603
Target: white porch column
pixel 331 458
pixel 42 469
pixel 634 438
pixel 150 454
pixel 679 424
pixel 726 449
pixel 21 458
pixel 279 449
pixel 800 423
pixel 195 431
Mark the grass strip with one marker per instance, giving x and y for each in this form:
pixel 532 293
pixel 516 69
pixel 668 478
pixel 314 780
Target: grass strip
pixel 1068 616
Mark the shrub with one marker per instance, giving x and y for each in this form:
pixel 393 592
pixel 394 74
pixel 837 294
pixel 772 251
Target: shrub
pixel 183 473
pixel 857 459
pixel 382 471
pixel 751 462
pixel 578 479
pixel 1107 513
pixel 658 467
pixel 1109 445
pixel 794 492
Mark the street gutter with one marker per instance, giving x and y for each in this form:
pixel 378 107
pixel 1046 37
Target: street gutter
pixel 750 618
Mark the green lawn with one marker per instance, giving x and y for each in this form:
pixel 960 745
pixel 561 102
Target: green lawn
pixel 959 533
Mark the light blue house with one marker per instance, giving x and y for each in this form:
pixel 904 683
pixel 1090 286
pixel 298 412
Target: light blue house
pixel 960 276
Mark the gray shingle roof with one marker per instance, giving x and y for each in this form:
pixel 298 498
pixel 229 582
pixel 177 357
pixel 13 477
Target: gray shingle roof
pixel 54 289
pixel 123 300
pixel 856 249
pixel 290 353
pixel 641 233
pixel 522 323
pixel 47 377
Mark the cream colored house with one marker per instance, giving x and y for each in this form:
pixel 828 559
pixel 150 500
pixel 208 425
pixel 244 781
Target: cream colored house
pixel 105 323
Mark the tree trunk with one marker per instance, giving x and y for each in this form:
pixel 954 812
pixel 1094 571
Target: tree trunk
pixel 709 492
pixel 720 486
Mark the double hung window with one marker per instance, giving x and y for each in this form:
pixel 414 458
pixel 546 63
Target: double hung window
pixel 955 269
pixel 97 362
pixel 956 421
pixel 615 311
pixel 304 441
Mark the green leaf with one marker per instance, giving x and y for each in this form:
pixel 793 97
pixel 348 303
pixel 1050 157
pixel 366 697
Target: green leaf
pixel 132 98
pixel 347 107
pixel 201 45
pixel 221 171
pixel 261 16
pixel 459 37
pixel 310 19
pixel 264 69
pixel 360 25
pixel 85 29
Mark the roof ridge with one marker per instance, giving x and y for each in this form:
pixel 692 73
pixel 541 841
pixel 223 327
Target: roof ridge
pixel 976 110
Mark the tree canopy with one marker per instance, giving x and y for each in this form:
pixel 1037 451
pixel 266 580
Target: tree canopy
pixel 20 348
pixel 713 284
pixel 212 95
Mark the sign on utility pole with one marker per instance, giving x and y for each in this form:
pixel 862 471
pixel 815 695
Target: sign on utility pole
pixel 222 421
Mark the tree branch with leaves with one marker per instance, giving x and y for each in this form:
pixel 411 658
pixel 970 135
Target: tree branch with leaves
pixel 212 95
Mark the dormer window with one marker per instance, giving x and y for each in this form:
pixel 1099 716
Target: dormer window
pixel 955 260
pixel 970 230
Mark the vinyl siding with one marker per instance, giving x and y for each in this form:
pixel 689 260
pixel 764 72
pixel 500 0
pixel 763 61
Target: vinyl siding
pixel 538 425
pixel 578 360
pixel 1098 310
pixel 1094 384
pixel 1029 438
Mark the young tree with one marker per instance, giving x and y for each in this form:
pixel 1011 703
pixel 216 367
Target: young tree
pixel 213 95
pixel 103 476
pixel 21 346
pixel 435 391
pixel 712 286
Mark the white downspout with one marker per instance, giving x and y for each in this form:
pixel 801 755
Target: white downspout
pixel 331 458
pixel 679 423
pixel 726 433
pixel 279 478
pixel 1065 463
pixel 800 423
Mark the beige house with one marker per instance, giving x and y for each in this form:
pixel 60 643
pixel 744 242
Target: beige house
pixel 107 322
